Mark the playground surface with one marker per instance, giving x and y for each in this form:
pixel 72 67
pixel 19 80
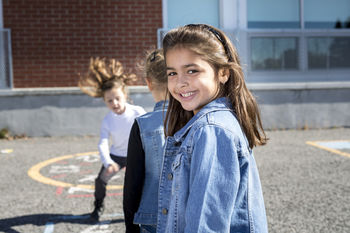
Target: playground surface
pixel 46 183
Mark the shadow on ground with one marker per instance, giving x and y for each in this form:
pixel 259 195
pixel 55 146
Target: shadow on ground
pixel 7 224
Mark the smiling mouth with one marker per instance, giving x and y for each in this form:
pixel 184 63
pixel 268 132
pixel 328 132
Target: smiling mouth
pixel 187 94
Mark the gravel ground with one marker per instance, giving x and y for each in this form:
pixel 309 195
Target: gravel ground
pixel 306 188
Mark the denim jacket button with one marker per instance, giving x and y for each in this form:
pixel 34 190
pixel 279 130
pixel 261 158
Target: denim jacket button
pixel 170 176
pixel 164 211
pixel 177 144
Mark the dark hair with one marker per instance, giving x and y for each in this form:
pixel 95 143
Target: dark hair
pixel 103 75
pixel 213 46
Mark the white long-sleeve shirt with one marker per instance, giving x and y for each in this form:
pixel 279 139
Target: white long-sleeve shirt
pixel 117 128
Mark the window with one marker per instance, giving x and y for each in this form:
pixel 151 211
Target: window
pixel 273 14
pixel 278 40
pixel 182 12
pixel 274 53
pixel 277 43
pixel 5 59
pixel 287 14
pixel 327 14
pixel 328 52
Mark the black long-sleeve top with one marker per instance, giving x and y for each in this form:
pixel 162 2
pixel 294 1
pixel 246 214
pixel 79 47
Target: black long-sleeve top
pixel 134 178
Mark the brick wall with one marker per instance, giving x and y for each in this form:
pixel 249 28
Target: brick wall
pixel 53 40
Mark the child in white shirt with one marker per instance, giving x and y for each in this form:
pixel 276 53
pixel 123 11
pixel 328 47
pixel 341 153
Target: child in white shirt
pixel 106 79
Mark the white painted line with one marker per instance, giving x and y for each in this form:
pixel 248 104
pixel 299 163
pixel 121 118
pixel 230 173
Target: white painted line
pixel 336 145
pixel 332 146
pixel 103 225
pixel 49 227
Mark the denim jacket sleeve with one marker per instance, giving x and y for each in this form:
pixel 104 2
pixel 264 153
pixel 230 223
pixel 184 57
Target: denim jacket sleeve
pixel 214 180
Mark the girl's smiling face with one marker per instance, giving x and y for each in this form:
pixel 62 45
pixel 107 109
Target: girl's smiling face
pixel 191 80
pixel 115 100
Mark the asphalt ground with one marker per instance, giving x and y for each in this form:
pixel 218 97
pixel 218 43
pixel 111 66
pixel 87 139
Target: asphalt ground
pixel 46 183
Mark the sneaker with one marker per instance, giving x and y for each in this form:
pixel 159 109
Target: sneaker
pixel 98 211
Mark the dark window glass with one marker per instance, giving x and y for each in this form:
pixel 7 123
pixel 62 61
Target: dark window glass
pixel 274 53
pixel 328 52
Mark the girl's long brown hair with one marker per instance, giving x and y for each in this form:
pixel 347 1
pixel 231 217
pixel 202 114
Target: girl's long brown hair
pixel 213 46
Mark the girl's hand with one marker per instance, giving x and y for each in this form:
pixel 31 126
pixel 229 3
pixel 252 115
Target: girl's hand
pixel 112 168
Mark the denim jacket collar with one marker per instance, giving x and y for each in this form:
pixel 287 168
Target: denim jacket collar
pixel 160 105
pixel 217 104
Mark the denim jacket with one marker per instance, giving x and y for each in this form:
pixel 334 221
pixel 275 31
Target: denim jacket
pixel 152 137
pixel 209 180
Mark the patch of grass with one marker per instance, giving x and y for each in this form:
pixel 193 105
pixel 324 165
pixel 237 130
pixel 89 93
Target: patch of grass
pixel 4 133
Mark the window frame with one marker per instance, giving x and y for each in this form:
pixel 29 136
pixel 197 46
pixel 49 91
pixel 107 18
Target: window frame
pixel 6 59
pixel 303 72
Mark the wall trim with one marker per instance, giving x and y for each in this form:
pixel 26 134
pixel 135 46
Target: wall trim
pixel 299 86
pixel 144 89
pixel 59 91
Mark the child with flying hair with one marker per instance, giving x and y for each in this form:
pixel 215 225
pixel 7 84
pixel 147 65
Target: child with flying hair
pixel 106 78
pixel 209 180
pixel 145 152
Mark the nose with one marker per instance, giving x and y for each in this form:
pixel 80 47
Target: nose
pixel 115 102
pixel 182 80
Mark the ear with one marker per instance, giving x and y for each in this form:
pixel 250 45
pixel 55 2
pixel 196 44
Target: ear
pixel 149 84
pixel 224 74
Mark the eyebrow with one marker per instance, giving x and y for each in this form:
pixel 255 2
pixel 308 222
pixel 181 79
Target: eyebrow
pixel 184 66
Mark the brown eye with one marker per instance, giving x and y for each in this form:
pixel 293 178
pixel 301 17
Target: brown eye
pixel 192 71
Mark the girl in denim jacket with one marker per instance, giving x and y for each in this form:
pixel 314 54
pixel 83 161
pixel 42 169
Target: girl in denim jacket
pixel 145 152
pixel 209 180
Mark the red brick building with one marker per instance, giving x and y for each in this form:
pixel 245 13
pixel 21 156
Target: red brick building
pixel 52 41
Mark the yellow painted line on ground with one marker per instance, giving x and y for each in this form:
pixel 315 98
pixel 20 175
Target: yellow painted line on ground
pixel 315 144
pixel 34 173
